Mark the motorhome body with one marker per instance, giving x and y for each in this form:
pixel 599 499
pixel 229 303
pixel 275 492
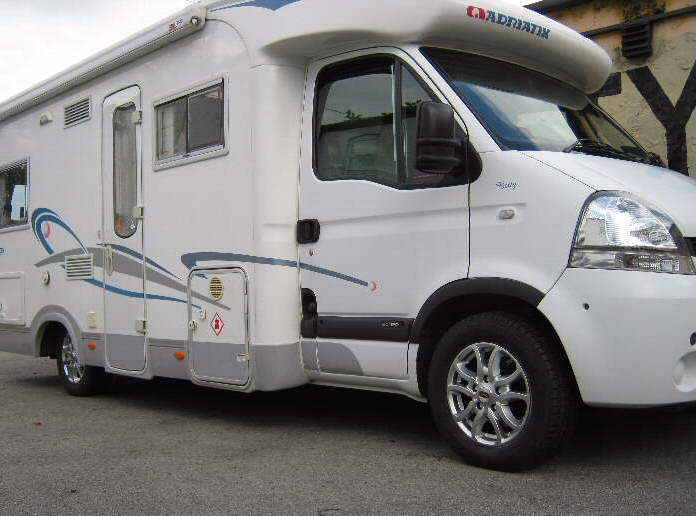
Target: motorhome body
pixel 155 192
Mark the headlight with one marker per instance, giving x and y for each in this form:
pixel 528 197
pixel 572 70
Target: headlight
pixel 619 231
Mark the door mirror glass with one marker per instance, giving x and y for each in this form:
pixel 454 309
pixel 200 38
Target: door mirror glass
pixel 438 149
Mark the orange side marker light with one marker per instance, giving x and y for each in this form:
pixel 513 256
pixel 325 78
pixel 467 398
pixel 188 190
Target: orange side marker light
pixel 92 345
pixel 180 355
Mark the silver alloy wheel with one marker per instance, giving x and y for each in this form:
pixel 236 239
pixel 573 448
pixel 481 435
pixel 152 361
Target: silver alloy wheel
pixel 488 393
pixel 72 369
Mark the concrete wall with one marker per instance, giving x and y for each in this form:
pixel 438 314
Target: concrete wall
pixel 653 98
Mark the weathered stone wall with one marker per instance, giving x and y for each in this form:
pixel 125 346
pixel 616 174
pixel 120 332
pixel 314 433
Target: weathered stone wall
pixel 654 98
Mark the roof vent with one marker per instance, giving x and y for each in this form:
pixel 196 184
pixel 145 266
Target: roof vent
pixel 636 41
pixel 79 267
pixel 78 112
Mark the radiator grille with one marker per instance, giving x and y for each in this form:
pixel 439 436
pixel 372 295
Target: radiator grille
pixel 77 112
pixel 79 267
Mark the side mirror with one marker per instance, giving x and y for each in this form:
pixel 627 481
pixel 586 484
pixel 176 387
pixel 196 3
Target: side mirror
pixel 438 150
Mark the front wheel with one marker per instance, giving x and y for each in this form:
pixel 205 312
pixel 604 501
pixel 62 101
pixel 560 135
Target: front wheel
pixel 78 379
pixel 500 392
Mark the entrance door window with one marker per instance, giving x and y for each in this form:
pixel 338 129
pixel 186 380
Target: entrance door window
pixel 125 171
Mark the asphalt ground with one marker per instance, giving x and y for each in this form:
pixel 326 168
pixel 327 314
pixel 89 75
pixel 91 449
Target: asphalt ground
pixel 168 447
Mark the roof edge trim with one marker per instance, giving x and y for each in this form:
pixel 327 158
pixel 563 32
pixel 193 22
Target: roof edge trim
pixel 168 30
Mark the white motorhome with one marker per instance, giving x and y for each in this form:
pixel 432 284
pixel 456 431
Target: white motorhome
pixel 397 195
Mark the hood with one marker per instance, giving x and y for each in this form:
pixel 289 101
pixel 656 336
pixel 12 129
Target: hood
pixel 672 192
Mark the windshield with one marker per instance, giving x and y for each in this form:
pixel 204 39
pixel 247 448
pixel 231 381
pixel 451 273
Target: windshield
pixel 526 110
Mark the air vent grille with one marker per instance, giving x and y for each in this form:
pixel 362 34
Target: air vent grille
pixel 216 288
pixel 636 41
pixel 78 112
pixel 79 267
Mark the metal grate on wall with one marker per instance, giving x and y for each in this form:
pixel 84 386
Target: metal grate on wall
pixel 217 288
pixel 636 41
pixel 79 267
pixel 77 112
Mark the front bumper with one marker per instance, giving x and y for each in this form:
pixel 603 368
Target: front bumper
pixel 630 336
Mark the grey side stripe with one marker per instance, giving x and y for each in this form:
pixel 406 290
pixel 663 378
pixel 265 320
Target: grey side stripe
pixel 130 267
pixel 190 260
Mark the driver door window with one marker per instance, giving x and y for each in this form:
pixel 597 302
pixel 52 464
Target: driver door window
pixel 365 123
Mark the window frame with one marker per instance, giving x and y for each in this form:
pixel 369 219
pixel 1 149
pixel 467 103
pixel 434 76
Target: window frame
pixel 213 151
pixel 400 65
pixel 5 168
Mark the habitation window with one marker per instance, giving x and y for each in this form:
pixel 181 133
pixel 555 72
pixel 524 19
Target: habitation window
pixel 365 126
pixel 190 123
pixel 14 194
pixel 125 171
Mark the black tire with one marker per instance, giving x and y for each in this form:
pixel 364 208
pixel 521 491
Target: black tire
pixel 538 427
pixel 77 379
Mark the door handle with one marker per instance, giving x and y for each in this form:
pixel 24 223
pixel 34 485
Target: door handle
pixel 108 260
pixel 308 231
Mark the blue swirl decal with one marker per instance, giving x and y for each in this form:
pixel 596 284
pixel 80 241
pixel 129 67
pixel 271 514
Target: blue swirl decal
pixel 43 215
pixel 40 216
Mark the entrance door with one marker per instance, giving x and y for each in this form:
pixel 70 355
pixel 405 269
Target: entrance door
pixel 122 231
pixel 218 344
pixel 388 235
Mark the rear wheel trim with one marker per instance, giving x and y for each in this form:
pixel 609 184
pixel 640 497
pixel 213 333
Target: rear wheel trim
pixel 73 370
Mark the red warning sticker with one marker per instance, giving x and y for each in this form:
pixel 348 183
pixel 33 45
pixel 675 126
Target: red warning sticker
pixel 217 324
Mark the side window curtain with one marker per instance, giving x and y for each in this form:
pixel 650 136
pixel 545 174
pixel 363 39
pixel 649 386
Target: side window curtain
pixel 14 194
pixel 125 171
pixel 365 123
pixel 356 123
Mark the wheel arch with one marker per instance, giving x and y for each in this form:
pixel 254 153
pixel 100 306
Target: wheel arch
pixel 48 325
pixel 462 298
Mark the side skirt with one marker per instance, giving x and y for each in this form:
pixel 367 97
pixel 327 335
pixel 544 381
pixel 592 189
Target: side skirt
pixel 407 387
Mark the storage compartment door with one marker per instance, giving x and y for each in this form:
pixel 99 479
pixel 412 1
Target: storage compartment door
pixel 12 298
pixel 218 343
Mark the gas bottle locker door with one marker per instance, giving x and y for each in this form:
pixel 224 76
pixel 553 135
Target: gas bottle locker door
pixel 218 326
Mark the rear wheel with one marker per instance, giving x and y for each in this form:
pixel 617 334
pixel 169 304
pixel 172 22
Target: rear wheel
pixel 500 392
pixel 78 379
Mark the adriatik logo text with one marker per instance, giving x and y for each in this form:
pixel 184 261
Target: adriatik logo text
pixel 508 21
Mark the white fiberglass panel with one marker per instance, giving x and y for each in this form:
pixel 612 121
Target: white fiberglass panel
pixel 523 218
pixel 629 336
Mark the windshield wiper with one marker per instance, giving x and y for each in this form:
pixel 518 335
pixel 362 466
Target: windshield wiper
pixel 595 148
